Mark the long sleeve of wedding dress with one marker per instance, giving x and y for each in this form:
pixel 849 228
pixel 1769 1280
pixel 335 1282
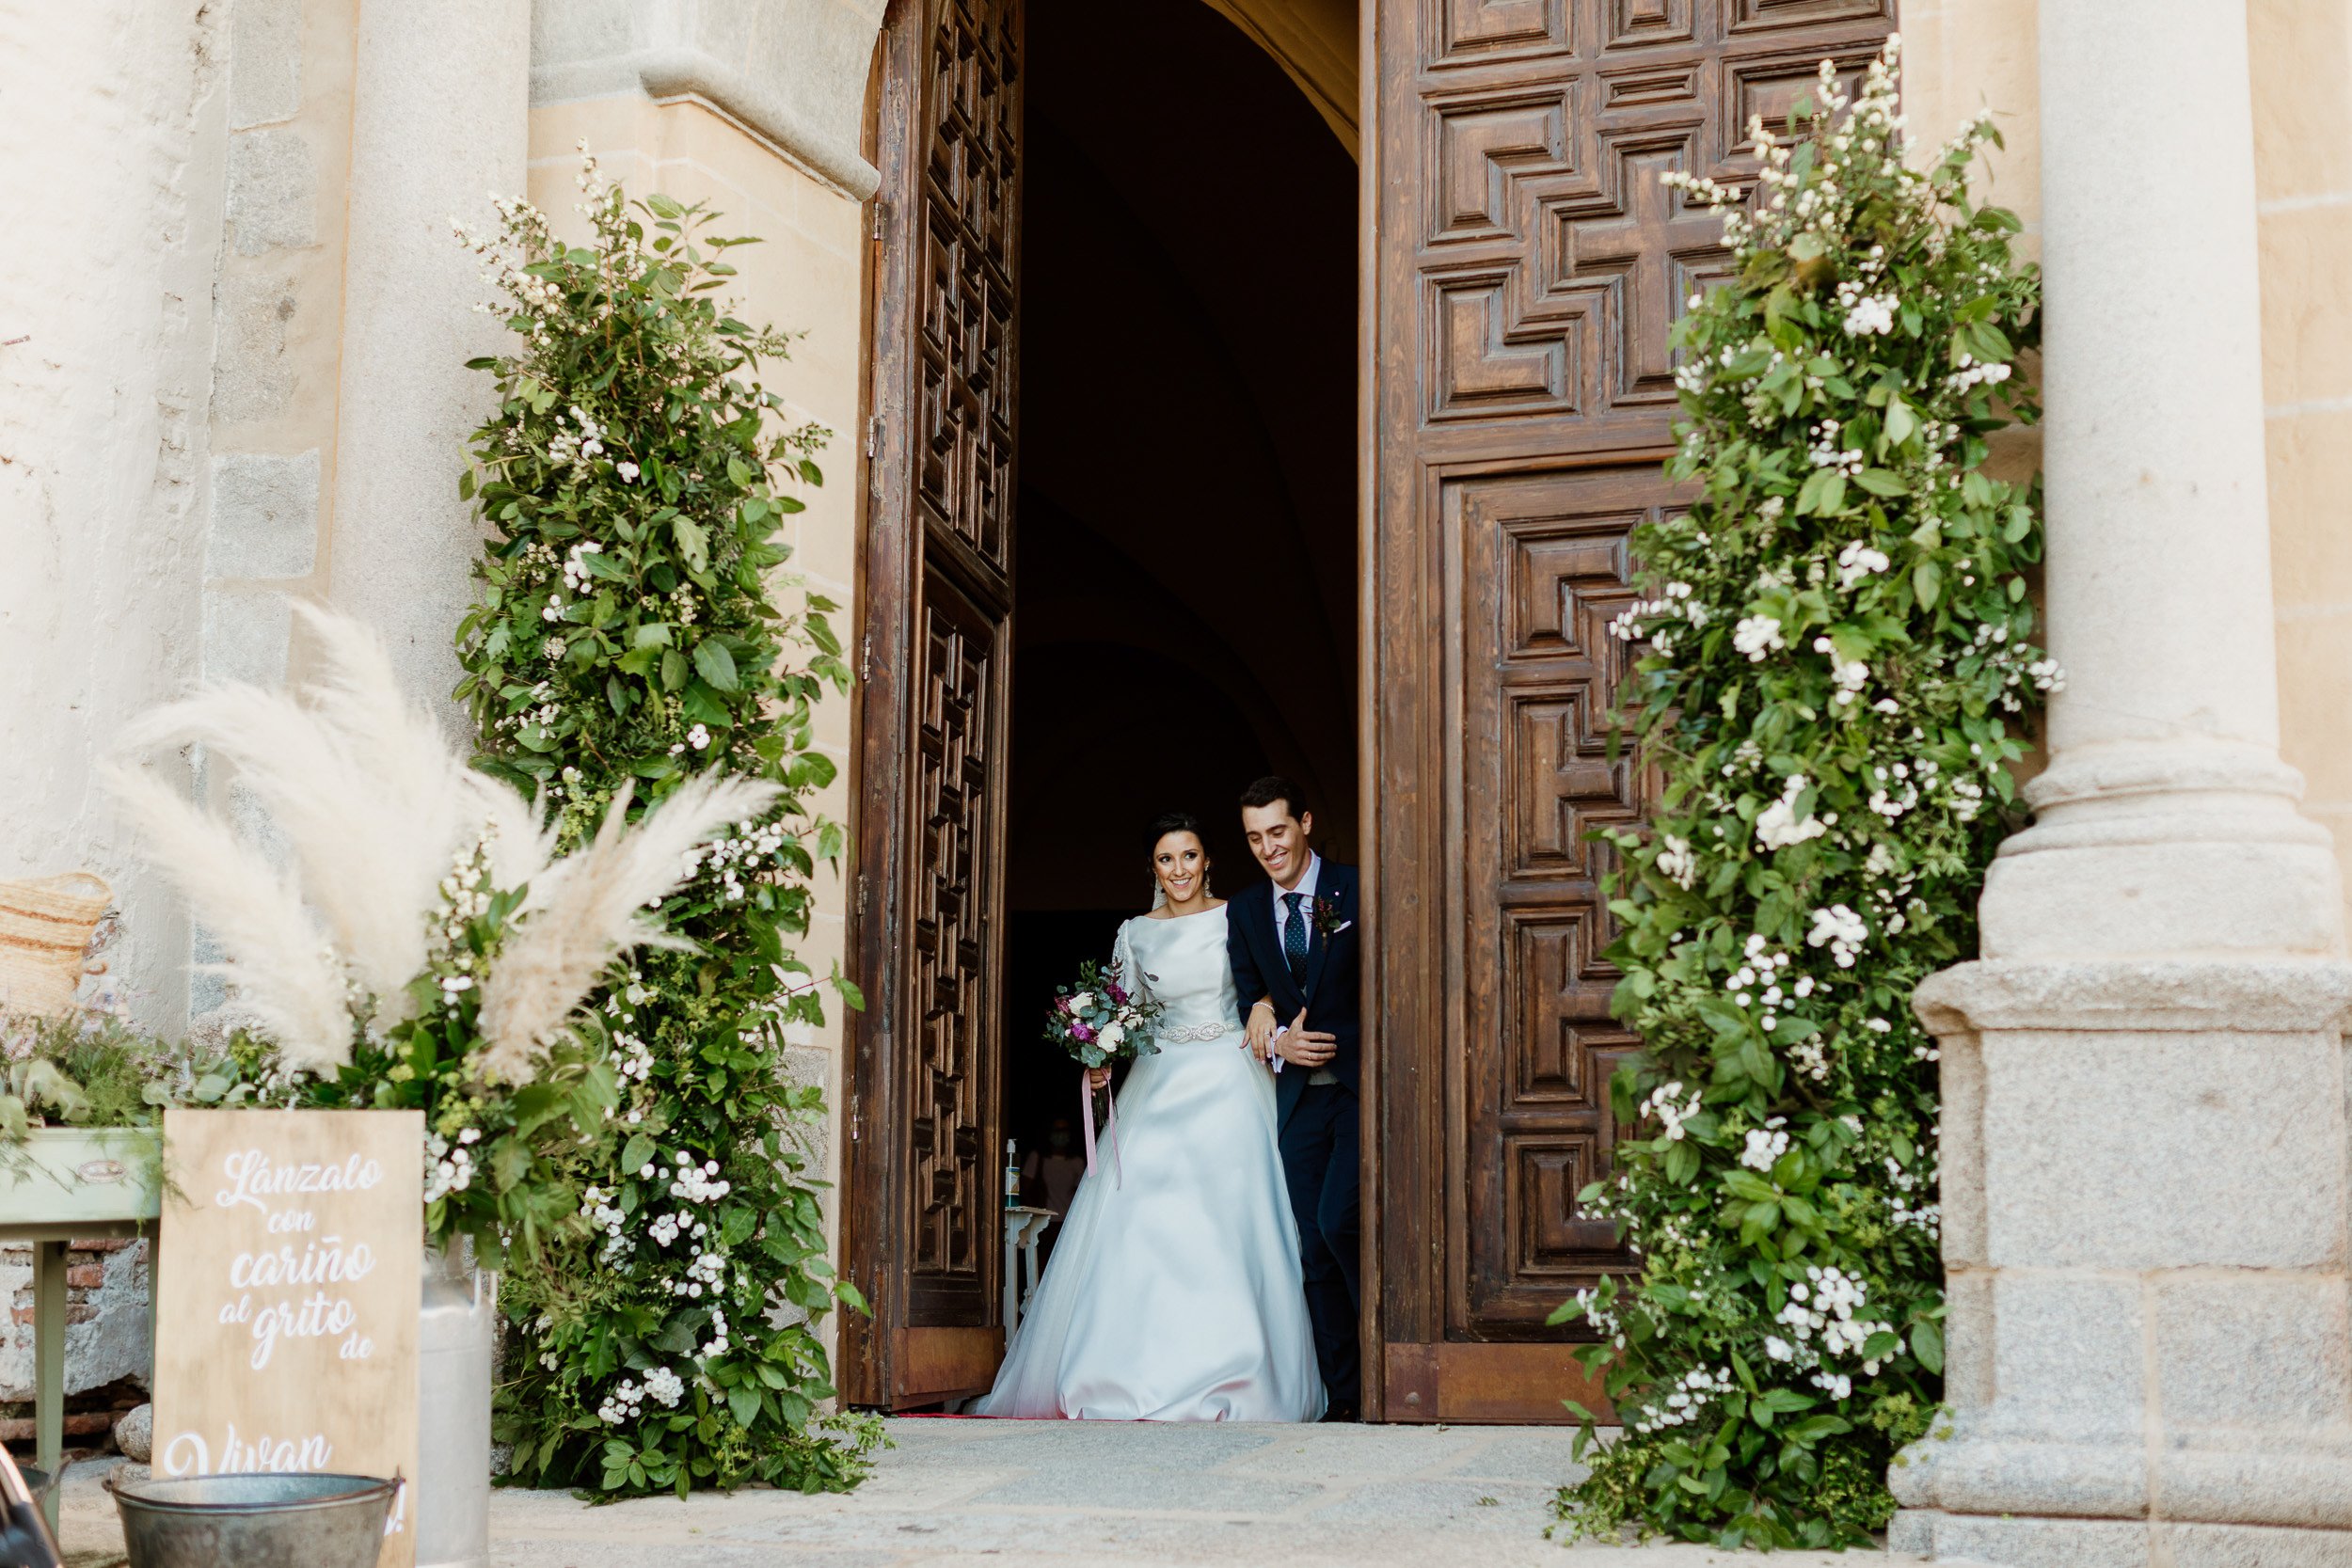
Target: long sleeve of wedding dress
pixel 1174 1290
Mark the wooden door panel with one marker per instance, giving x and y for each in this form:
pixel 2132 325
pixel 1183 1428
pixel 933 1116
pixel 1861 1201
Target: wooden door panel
pixel 1544 572
pixel 959 771
pixel 922 1229
pixel 1527 269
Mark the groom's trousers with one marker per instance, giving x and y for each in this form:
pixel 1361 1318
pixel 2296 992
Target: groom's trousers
pixel 1320 1142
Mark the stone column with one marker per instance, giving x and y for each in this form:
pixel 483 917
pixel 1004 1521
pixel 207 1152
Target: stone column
pixel 441 120
pixel 2145 1126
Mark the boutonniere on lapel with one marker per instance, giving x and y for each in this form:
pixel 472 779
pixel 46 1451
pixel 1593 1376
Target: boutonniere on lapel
pixel 1326 917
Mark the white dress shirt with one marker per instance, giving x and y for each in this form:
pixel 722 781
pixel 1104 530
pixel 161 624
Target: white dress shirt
pixel 1307 913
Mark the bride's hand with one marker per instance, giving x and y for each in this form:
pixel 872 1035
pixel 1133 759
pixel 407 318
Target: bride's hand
pixel 1097 1077
pixel 1261 1041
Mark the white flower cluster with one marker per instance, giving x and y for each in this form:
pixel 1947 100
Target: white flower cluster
pixel 1676 862
pixel 627 1400
pixel 609 1221
pixel 1858 560
pixel 1843 931
pixel 707 1272
pixel 1867 314
pixel 1667 1106
pixel 1689 1397
pixel 1676 604
pixel 698 1184
pixel 449 1167
pixel 717 1343
pixel 576 447
pixel 1927 1218
pixel 1757 636
pixel 1970 374
pixel 1777 826
pixel 668 1227
pixel 1822 1315
pixel 1760 981
pixel 576 574
pixel 745 854
pixel 632 1058
pixel 1848 675
pixel 1765 1145
pixel 1829 452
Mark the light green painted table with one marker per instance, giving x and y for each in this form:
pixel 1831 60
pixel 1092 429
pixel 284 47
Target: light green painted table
pixel 80 1182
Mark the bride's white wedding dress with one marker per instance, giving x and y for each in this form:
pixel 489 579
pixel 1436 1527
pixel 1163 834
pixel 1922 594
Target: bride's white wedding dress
pixel 1173 1293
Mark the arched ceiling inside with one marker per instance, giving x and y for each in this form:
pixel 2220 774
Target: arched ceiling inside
pixel 1314 41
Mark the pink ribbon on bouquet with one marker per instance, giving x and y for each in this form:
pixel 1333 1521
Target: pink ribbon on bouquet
pixel 1110 1129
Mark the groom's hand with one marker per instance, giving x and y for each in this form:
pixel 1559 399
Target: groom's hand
pixel 1303 1047
pixel 1262 1028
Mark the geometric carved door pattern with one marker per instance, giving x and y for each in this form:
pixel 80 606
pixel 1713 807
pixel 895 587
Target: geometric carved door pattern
pixel 922 1222
pixel 1527 270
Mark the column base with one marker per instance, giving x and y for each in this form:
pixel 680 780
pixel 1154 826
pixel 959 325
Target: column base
pixel 2149 1330
pixel 2025 1541
pixel 2174 850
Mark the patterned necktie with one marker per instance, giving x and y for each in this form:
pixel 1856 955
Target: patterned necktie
pixel 1295 937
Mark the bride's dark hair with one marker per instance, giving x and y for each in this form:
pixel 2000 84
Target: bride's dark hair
pixel 1177 822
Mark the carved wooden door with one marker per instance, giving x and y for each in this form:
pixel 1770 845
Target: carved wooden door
pixel 923 1221
pixel 1528 267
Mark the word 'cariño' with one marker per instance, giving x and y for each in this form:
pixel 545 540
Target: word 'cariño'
pixel 254 1178
pixel 325 1262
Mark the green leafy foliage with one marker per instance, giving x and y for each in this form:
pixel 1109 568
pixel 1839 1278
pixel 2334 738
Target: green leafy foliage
pixel 628 634
pixel 1837 683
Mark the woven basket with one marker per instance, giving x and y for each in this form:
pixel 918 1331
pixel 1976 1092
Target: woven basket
pixel 45 927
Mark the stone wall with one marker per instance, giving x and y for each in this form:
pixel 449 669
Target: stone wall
pixel 106 1335
pixel 114 148
pixel 2302 91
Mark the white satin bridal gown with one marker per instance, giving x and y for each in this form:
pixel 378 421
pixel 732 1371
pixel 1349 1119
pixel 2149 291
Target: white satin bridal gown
pixel 1173 1293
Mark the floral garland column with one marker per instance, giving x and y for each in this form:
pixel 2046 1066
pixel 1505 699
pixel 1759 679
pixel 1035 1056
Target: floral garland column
pixel 2144 1134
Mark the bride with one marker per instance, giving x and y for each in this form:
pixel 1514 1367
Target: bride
pixel 1174 1293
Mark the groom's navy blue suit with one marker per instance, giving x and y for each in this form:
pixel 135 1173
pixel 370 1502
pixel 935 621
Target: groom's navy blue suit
pixel 1319 1123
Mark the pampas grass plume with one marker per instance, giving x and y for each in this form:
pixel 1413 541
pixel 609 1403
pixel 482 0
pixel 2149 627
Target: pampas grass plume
pixel 279 962
pixel 590 906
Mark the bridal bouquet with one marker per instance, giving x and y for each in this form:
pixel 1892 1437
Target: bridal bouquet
pixel 1099 1021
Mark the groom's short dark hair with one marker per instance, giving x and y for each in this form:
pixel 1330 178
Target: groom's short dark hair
pixel 1273 789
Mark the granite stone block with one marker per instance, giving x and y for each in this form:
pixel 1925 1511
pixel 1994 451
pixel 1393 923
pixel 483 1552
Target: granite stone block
pixel 264 61
pixel 265 515
pixel 273 190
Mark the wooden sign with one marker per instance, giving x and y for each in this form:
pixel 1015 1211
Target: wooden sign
pixel 287 1297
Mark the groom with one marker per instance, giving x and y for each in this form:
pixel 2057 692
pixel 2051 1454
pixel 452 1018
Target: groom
pixel 1293 945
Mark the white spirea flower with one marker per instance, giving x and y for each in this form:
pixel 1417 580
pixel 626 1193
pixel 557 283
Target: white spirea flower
pixel 1777 826
pixel 1757 636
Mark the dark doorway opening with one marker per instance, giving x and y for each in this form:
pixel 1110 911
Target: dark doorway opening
pixel 1185 578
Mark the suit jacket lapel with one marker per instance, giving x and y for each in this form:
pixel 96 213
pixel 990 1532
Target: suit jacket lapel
pixel 1319 945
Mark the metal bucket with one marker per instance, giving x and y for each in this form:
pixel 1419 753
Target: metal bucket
pixel 285 1520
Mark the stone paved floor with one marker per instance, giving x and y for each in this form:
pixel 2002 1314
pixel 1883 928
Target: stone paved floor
pixel 1069 1494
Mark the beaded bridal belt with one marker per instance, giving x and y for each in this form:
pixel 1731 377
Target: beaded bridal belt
pixel 1185 1032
